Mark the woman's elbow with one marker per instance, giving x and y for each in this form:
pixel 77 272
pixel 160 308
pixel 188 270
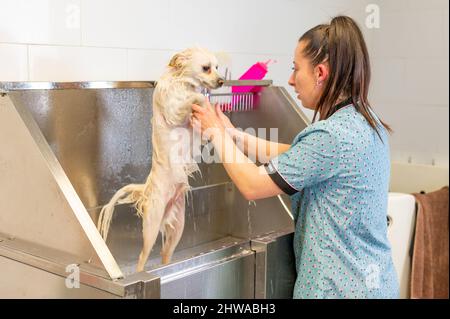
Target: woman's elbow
pixel 254 193
pixel 250 195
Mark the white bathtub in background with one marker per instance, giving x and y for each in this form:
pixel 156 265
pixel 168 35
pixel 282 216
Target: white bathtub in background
pixel 401 218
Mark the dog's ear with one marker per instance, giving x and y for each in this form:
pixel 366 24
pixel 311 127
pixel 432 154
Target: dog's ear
pixel 178 61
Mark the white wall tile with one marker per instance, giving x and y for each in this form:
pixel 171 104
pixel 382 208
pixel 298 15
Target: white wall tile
pixel 425 34
pixel 13 62
pixel 40 21
pixel 421 6
pixel 441 160
pixel 426 81
pixel 399 156
pixel 420 132
pixel 252 26
pixel 57 63
pixel 388 80
pixel 393 6
pixel 146 65
pixel 391 39
pixel 126 24
pixel 413 97
pixel 442 133
pixel 445 33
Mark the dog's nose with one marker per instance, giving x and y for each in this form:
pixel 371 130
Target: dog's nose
pixel 220 82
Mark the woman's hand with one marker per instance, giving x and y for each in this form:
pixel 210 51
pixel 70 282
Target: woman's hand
pixel 223 118
pixel 208 120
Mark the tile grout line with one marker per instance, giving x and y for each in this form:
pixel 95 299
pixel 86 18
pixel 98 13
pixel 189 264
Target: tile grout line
pixel 28 63
pixel 141 49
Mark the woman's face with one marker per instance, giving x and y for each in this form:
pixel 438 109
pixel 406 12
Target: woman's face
pixel 306 79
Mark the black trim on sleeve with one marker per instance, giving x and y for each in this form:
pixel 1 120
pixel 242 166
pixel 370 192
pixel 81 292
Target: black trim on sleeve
pixel 279 180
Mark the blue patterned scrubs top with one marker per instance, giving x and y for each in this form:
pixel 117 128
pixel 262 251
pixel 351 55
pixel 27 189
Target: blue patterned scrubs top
pixel 337 173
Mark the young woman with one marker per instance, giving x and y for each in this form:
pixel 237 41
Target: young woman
pixel 336 170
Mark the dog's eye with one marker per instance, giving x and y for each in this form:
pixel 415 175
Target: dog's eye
pixel 206 68
pixel 217 67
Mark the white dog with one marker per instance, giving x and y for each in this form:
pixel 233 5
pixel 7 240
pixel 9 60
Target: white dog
pixel 161 200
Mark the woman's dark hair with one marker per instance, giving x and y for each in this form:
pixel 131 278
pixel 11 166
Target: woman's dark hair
pixel 341 44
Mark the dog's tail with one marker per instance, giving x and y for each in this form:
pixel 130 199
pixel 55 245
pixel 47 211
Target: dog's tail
pixel 132 193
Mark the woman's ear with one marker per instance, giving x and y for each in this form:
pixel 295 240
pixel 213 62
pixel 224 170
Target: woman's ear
pixel 322 73
pixel 178 61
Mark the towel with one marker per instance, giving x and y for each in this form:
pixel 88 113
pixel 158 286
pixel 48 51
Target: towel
pixel 429 275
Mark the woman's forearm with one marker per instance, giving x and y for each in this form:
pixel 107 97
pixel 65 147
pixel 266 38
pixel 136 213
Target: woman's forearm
pixel 257 148
pixel 242 171
pixel 245 174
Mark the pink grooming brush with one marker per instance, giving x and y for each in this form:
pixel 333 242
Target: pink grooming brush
pixel 256 72
pixel 243 97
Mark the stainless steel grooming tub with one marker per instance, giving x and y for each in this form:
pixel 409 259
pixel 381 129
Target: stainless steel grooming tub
pixel 67 147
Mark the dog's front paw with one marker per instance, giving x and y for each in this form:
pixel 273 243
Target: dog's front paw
pixel 198 99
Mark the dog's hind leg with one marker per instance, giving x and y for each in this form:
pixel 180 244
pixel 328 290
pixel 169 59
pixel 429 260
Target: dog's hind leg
pixel 150 227
pixel 173 229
